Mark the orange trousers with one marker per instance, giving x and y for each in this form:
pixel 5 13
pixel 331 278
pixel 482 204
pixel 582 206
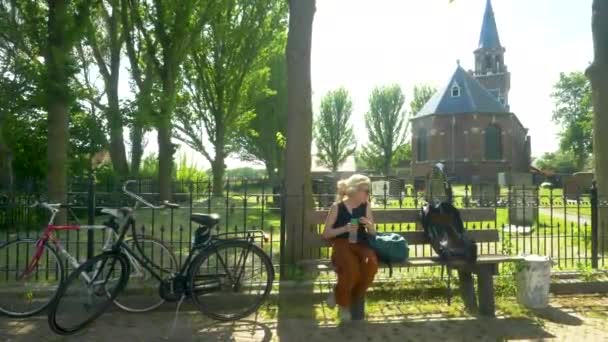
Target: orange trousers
pixel 356 265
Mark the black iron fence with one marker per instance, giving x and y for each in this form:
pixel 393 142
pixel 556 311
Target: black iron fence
pixel 572 230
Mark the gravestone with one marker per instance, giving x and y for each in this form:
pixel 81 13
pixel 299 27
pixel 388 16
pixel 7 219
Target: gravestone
pixel 523 205
pixel 484 194
pixel 378 191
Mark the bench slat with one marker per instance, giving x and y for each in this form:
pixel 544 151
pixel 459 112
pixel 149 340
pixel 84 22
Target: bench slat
pixel 326 265
pixel 418 237
pixel 410 215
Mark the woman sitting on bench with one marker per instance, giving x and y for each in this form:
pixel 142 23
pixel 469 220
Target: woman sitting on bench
pixel 348 223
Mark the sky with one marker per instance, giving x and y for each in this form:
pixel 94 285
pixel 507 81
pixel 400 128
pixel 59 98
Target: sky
pixel 360 44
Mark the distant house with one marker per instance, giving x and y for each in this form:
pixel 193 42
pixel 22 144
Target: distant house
pixel 468 124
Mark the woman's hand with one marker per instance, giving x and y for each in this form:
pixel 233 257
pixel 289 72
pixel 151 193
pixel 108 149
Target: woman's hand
pixel 349 228
pixel 368 224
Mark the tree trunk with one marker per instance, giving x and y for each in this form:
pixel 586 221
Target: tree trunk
pixel 137 149
pixel 218 169
pixel 217 165
pixel 57 96
pixel 299 129
pixel 598 75
pixel 166 149
pixel 6 165
pixel 117 143
pixel 165 158
pixel 275 183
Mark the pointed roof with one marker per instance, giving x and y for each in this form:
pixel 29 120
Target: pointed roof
pixel 471 97
pixel 488 38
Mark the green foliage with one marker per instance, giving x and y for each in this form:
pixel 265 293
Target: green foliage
pixel 574 113
pixel 586 272
pixel 188 170
pixel 225 75
pixel 368 159
pixel 333 131
pixel 149 167
pixel 245 172
pixel 422 94
pixel 564 162
pixel 264 139
pixel 387 124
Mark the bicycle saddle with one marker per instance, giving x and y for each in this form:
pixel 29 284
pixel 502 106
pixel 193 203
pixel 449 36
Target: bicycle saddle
pixel 205 219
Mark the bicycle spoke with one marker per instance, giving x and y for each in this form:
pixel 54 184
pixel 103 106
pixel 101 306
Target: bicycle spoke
pixel 80 301
pixel 223 285
pixel 29 277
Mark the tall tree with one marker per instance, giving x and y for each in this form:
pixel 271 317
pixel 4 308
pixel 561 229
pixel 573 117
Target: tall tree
pixel 23 126
pixel 598 75
pixel 422 95
pixel 298 185
pixel 142 72
pixel 334 135
pixel 169 29
pixel 574 113
pixel 387 124
pixel 564 162
pixel 264 141
pixel 66 20
pixel 222 71
pixel 105 40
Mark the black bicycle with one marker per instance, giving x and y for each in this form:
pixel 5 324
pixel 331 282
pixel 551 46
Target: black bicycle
pixel 228 277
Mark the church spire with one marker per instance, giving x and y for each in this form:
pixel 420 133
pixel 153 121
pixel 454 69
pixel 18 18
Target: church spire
pixel 488 39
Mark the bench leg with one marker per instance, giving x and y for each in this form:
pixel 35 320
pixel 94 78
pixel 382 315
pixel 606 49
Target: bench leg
pixel 357 309
pixel 485 289
pixel 467 291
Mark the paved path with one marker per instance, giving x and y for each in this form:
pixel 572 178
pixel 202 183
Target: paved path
pixel 570 319
pixel 558 214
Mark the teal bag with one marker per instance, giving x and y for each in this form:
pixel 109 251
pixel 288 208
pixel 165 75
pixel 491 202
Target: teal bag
pixel 390 248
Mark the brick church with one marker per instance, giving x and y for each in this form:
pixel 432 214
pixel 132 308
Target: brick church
pixel 467 125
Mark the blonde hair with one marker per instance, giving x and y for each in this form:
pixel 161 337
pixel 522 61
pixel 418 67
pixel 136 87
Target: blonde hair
pixel 350 185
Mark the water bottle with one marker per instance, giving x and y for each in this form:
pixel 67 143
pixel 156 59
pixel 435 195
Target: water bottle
pixel 352 236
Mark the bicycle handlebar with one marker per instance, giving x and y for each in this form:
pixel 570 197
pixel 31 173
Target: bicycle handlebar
pixel 166 204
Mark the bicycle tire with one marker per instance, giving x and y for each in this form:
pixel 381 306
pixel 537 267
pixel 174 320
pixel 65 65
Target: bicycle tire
pixel 121 301
pixel 5 283
pixel 204 303
pixel 107 296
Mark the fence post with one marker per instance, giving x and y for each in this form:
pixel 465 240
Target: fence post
pixel 594 225
pixel 91 216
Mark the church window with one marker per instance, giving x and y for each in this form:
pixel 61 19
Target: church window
pixel 493 146
pixel 455 90
pixel 488 63
pixel 421 145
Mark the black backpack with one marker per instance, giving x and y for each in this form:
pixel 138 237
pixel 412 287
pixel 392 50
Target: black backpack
pixel 444 228
pixel 443 225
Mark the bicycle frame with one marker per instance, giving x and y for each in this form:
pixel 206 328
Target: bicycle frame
pixel 214 242
pixel 47 235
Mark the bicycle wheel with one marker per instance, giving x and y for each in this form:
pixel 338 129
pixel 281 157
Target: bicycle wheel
pixel 231 280
pixel 141 293
pixel 29 281
pixel 87 292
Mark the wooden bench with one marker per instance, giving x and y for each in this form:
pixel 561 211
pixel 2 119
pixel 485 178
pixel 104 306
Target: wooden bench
pixel 485 267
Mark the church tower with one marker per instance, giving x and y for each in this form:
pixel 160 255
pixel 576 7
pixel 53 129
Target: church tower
pixel 490 68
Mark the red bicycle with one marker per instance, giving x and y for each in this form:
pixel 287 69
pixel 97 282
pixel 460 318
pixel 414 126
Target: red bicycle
pixel 31 270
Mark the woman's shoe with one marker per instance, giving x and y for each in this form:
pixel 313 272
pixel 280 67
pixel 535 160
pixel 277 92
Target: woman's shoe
pixel 344 314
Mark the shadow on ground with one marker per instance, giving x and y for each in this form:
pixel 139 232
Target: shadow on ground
pixel 157 327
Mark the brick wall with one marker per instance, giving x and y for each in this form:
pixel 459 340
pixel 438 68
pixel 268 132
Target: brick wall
pixel 459 141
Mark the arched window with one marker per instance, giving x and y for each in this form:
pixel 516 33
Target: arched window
pixel 455 90
pixel 488 62
pixel 421 145
pixel 493 147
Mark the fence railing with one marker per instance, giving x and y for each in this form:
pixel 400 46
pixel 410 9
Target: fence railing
pixel 530 220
